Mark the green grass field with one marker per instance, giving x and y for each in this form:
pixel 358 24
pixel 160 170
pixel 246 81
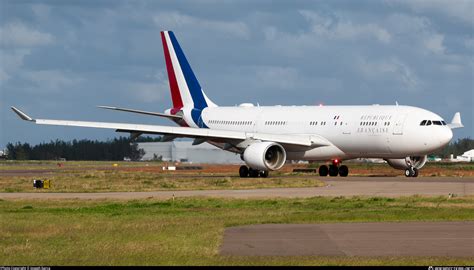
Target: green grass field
pixel 188 231
pixel 116 181
pixel 102 176
pixel 91 176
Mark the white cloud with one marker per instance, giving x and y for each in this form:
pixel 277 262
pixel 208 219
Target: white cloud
pixel 147 92
pixel 303 57
pixel 51 81
pixel 329 27
pixel 401 23
pixel 452 68
pixel 277 77
pixel 434 43
pixel 418 31
pixel 469 43
pixel 10 62
pixel 3 76
pixel 390 69
pixel 41 11
pixel 172 20
pixel 459 10
pixel 270 32
pixel 19 35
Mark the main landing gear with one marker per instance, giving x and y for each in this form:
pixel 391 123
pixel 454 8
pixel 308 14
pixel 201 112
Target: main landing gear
pixel 334 169
pixel 411 172
pixel 245 171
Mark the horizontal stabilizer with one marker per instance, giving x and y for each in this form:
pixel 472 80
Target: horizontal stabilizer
pixel 141 112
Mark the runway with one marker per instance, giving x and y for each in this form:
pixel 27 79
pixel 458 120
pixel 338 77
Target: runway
pixel 351 186
pixel 453 239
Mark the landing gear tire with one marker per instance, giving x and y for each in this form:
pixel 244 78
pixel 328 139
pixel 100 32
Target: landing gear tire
pixel 411 172
pixel 253 173
pixel 244 171
pixel 343 170
pixel 408 173
pixel 323 170
pixel 333 170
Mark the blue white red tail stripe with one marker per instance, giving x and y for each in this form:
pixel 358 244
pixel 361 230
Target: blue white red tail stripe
pixel 185 89
pixel 191 81
pixel 175 95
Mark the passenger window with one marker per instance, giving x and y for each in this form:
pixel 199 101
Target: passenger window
pixel 428 123
pixel 423 123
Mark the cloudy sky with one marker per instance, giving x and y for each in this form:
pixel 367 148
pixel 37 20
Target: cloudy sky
pixel 59 59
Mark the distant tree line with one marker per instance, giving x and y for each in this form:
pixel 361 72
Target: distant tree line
pixel 148 139
pixel 111 149
pixel 122 147
pixel 456 148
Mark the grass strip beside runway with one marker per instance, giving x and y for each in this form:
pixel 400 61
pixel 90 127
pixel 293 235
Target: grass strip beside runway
pixel 188 231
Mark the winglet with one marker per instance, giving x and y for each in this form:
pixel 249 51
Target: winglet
pixel 456 122
pixel 22 115
pixel 107 107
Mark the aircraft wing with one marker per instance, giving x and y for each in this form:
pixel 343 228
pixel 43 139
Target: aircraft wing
pixel 299 140
pixel 142 112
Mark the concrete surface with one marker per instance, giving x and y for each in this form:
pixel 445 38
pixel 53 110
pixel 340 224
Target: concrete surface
pixel 454 239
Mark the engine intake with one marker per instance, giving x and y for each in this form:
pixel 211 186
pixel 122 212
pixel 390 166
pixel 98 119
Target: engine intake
pixel 403 164
pixel 265 156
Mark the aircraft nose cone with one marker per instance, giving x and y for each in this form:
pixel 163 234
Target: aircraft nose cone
pixel 446 136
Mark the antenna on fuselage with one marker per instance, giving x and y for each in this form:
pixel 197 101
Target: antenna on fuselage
pixel 396 103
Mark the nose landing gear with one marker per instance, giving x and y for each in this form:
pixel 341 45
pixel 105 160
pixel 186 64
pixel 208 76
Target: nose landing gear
pixel 411 172
pixel 334 169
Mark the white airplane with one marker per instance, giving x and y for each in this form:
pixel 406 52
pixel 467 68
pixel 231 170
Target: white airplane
pixel 267 136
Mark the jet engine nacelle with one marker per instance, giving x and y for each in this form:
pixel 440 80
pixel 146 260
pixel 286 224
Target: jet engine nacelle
pixel 403 164
pixel 265 156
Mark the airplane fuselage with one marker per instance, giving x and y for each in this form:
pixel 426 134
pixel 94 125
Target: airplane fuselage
pixel 354 131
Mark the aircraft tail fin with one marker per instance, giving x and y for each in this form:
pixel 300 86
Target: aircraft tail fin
pixel 184 86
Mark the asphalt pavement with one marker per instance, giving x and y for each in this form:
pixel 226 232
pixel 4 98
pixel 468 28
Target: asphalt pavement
pixel 452 239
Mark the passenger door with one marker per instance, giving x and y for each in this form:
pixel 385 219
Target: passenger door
pixel 398 125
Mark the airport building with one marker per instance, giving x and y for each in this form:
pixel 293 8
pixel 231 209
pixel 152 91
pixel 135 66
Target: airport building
pixel 467 156
pixel 184 151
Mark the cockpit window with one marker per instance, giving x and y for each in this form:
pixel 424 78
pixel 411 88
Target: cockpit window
pixel 434 122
